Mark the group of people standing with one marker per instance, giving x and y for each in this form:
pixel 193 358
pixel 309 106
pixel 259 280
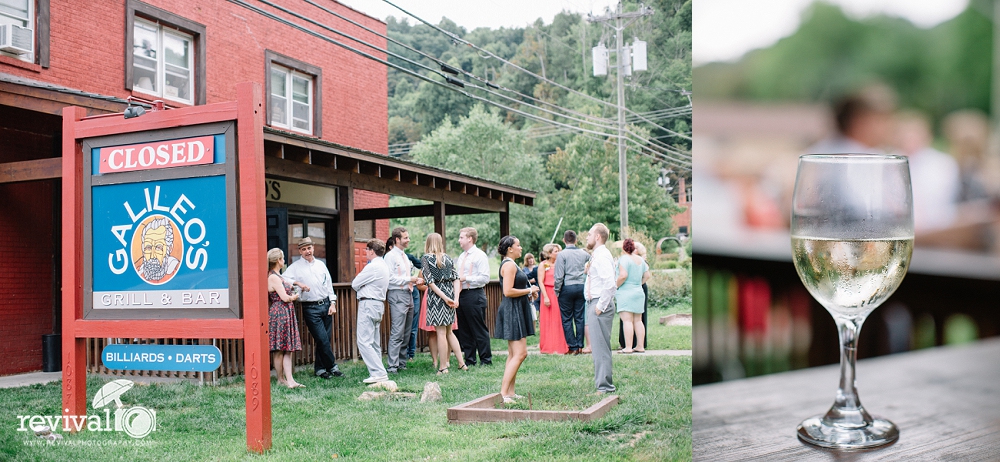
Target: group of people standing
pixel 573 286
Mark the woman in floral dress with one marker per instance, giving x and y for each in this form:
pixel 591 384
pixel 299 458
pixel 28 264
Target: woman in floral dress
pixel 283 329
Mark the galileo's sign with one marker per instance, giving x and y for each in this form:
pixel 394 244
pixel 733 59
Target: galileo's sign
pixel 161 244
pixel 160 225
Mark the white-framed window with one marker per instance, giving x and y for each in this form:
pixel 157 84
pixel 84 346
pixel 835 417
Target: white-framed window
pixel 162 61
pixel 291 99
pixel 20 13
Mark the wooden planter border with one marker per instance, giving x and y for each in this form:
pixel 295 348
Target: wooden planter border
pixel 484 410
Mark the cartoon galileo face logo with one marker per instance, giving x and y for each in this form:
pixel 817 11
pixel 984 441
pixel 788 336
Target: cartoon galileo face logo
pixel 157 249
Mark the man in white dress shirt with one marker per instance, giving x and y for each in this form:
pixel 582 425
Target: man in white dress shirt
pixel 474 274
pixel 318 305
pixel 600 293
pixel 400 298
pixel 370 285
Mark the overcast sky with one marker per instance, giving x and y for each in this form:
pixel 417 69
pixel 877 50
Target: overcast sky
pixel 480 13
pixel 724 30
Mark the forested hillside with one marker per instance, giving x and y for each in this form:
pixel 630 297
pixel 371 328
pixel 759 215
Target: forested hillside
pixel 937 70
pixel 554 133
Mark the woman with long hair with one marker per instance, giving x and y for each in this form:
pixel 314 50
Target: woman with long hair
pixel 551 337
pixel 443 288
pixel 514 321
pixel 283 329
pixel 633 272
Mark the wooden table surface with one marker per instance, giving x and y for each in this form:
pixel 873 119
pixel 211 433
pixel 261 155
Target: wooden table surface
pixel 945 401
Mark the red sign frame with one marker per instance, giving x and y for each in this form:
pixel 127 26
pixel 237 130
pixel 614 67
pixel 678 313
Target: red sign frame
pixel 247 112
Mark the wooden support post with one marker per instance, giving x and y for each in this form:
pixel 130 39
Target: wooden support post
pixel 74 349
pixel 505 220
pixel 252 214
pixel 439 219
pixel 345 234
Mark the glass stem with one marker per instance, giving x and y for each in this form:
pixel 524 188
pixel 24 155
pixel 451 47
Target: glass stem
pixel 847 411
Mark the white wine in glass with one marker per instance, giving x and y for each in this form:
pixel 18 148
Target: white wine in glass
pixel 852 239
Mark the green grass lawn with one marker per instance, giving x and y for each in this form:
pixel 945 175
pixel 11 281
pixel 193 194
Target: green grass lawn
pixel 325 421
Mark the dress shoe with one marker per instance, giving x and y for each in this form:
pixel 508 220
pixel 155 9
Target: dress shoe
pixel 325 376
pixel 337 373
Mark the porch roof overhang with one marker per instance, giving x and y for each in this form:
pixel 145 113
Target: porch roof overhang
pixel 306 159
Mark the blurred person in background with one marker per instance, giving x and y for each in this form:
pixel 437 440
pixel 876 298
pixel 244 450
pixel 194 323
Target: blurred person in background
pixel 934 175
pixel 863 122
pixel 968 133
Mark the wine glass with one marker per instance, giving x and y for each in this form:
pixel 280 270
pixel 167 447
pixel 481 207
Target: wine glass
pixel 852 238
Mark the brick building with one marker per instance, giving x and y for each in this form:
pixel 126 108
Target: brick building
pixel 323 104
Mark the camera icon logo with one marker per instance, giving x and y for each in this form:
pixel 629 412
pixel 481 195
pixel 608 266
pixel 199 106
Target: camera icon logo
pixel 135 421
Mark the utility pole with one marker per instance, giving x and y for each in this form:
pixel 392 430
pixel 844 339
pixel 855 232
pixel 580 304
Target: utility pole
pixel 623 65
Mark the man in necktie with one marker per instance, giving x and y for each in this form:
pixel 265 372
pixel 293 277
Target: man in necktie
pixel 474 274
pixel 600 293
pixel 400 296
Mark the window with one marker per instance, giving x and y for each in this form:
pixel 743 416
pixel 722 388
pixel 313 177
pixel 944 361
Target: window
pixel 162 62
pixel 25 27
pixel 291 99
pixel 293 94
pixel 167 55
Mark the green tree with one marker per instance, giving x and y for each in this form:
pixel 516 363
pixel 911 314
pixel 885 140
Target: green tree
pixel 483 146
pixel 588 173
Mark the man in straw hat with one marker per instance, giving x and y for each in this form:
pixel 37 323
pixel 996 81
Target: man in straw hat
pixel 318 306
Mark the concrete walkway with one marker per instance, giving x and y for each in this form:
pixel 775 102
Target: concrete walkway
pixel 533 350
pixel 31 378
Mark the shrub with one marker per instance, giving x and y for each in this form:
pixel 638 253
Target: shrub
pixel 667 288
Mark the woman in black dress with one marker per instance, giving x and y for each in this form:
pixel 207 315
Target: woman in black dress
pixel 443 288
pixel 514 316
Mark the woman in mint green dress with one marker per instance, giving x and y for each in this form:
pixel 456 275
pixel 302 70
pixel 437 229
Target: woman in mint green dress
pixel 632 273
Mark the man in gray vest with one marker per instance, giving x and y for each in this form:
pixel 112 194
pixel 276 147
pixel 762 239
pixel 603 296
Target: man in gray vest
pixel 569 281
pixel 371 285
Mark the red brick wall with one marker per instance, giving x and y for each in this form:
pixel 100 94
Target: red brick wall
pixel 26 229
pixel 87 52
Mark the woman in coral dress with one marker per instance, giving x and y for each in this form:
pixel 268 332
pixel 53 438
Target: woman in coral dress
pixel 551 339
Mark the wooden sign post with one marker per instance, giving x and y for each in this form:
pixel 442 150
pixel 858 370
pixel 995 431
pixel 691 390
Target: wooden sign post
pixel 164 237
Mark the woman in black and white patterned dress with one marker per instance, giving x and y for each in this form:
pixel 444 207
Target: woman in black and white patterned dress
pixel 443 288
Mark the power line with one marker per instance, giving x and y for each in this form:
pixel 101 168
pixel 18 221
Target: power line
pixel 448 79
pixel 585 132
pixel 458 39
pixel 445 65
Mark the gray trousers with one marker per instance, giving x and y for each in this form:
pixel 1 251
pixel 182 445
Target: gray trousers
pixel 369 343
pixel 401 318
pixel 600 344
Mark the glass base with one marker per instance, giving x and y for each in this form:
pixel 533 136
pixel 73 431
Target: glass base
pixel 814 431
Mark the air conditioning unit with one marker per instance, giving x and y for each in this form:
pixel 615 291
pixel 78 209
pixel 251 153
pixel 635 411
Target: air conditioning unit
pixel 15 39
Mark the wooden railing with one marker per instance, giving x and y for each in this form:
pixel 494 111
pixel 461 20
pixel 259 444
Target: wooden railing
pixel 344 340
